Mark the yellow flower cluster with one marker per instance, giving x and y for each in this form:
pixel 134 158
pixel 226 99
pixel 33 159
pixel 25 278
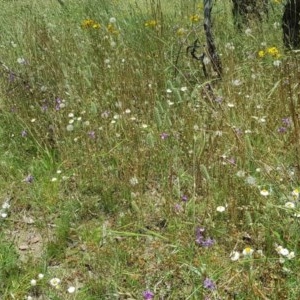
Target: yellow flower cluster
pixel 271 51
pixel 195 18
pixel 89 23
pixel 112 29
pixel 151 23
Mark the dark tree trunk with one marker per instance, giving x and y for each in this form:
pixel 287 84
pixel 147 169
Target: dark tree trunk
pixel 245 10
pixel 290 24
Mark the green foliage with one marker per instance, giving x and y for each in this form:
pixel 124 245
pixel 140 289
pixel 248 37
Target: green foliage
pixel 9 266
pixel 117 150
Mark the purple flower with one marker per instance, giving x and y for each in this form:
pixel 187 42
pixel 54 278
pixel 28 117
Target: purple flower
pixel 282 129
pixel 164 136
pixel 24 133
pixel 287 121
pixel 207 242
pixel 148 295
pixel 29 179
pixel 231 160
pixel 184 198
pixel 91 134
pixel 201 240
pixel 57 103
pixel 209 284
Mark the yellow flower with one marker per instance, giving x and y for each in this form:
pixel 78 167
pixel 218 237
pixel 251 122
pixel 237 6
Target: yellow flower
pixel 89 23
pixel 261 53
pixel 96 26
pixel 111 29
pixel 273 51
pixel 151 23
pixel 195 18
pixel 181 31
pixel 295 193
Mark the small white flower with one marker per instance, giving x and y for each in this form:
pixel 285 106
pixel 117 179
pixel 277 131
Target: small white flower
pixel 236 82
pixel 133 181
pixel 295 193
pixel 291 255
pixel 206 60
pixel 230 105
pixel 262 120
pixel 183 89
pixel 112 20
pixel 221 209
pixel 107 61
pixel 248 31
pixel 54 179
pixel 29 298
pixel 58 171
pixel 169 91
pixel 70 127
pixel 276 63
pixel 240 173
pixel 251 180
pixel 248 251
pixel 234 255
pixel 144 126
pixel 71 121
pixel 54 282
pixel 284 252
pixel 21 60
pixel 71 115
pixel 264 193
pixel 33 282
pixel 5 205
pixel 40 276
pixel 290 205
pixel 281 260
pixel 276 25
pixel 127 111
pixel 4 215
pixel 71 289
pixel 86 123
pixel 229 46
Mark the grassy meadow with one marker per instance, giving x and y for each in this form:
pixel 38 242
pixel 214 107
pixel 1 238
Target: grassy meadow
pixel 123 176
